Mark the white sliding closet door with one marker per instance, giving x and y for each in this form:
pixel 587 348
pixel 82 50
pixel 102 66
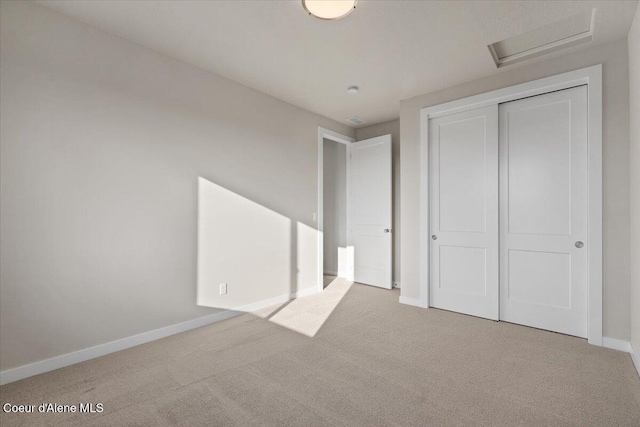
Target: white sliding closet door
pixel 463 153
pixel 543 211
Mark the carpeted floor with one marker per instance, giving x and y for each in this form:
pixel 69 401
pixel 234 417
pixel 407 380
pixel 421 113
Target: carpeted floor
pixel 374 362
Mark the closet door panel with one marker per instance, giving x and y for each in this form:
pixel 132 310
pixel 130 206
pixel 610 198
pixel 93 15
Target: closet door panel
pixel 464 212
pixel 543 211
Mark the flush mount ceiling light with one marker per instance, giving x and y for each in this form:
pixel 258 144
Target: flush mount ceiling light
pixel 352 90
pixel 329 9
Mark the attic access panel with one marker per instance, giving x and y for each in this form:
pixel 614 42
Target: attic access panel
pixel 573 30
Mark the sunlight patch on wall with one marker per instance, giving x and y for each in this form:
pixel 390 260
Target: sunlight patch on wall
pixel 306 257
pixel 346 259
pixel 262 256
pixel 245 245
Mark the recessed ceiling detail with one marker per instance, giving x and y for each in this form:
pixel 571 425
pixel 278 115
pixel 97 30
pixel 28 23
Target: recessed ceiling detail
pixel 562 34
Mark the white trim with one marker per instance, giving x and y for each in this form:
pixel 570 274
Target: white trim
pixel 301 293
pixel 47 365
pixel 275 300
pixel 616 344
pixel 621 345
pixel 592 77
pixel 594 218
pixel 635 357
pixel 342 139
pixel 416 302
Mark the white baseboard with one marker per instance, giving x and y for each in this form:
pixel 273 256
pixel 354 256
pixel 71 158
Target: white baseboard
pixel 26 371
pixel 411 301
pixel 330 273
pixel 275 300
pixel 621 345
pixel 635 357
pixel 303 293
pixel 616 344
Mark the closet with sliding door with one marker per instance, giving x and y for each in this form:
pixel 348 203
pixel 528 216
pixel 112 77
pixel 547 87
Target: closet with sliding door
pixel 508 210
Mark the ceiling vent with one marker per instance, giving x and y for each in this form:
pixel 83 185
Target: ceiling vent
pixel 562 34
pixel 355 121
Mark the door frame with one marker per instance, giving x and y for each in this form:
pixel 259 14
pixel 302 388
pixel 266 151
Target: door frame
pixel 590 76
pixel 342 139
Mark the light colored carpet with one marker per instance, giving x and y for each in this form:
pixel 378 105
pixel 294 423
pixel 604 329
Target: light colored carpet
pixel 373 362
pixel 327 280
pixel 308 315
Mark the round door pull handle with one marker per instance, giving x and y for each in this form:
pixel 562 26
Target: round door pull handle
pixel 579 244
pixel 434 237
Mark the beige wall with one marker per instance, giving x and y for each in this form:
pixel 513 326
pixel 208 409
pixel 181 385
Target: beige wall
pixel 392 128
pixel 634 98
pixel 102 146
pixel 334 192
pixel 613 56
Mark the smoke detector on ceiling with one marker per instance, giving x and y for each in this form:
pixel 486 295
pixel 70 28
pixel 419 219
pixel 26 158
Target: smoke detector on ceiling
pixel 573 30
pixel 355 121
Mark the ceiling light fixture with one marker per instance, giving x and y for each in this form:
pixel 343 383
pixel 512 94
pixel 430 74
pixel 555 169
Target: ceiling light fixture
pixel 352 90
pixel 329 9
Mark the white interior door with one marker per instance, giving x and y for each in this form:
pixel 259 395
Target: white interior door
pixel 369 210
pixel 463 153
pixel 543 211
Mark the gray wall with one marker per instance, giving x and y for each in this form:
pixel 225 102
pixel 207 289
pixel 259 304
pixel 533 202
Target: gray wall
pixel 392 128
pixel 334 190
pixel 102 146
pixel 616 243
pixel 634 91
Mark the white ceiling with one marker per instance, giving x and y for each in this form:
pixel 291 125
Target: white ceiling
pixel 392 50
